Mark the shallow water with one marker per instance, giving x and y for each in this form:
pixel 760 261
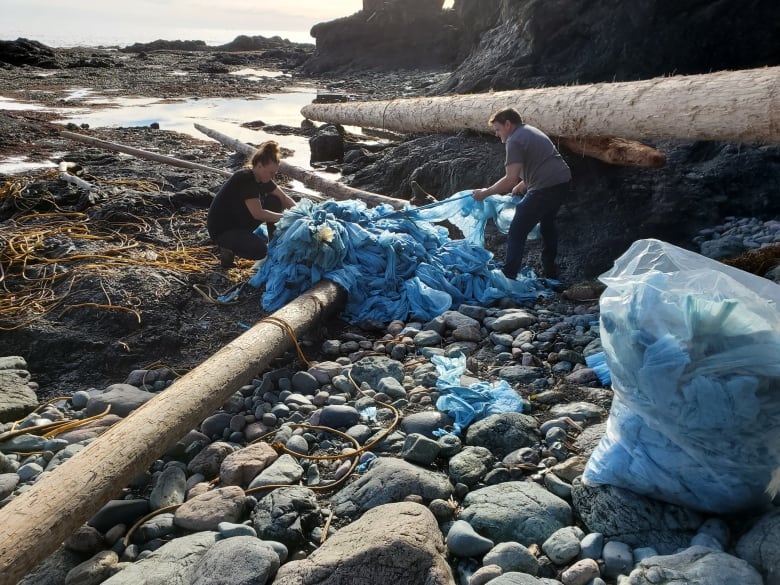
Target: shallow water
pixel 222 114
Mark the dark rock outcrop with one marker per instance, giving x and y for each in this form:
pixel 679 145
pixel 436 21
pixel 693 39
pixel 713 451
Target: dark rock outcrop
pixel 542 43
pixel 610 206
pixel 393 543
pixel 240 43
pixel 326 145
pixel 27 52
pixel 387 35
pixel 163 45
pixel 505 44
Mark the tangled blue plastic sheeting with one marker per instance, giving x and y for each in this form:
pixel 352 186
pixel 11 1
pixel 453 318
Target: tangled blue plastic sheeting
pixel 393 264
pixel 692 347
pixel 466 404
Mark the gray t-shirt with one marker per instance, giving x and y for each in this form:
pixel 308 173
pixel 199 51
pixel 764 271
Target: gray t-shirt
pixel 543 165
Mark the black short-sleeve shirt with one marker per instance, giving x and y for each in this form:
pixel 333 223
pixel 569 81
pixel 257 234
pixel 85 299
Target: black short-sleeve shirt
pixel 229 210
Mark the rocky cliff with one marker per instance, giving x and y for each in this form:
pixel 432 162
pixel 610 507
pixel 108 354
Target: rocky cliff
pixel 530 43
pixel 515 44
pixel 387 35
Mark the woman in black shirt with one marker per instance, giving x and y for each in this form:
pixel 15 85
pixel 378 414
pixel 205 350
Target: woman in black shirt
pixel 247 199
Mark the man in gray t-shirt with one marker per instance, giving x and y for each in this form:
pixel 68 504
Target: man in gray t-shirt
pixel 533 167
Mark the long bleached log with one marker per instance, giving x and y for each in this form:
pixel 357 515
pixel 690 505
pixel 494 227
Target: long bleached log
pixel 36 522
pixel 169 160
pixel 729 106
pixel 311 179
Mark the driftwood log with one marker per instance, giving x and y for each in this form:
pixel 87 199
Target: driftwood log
pixel 729 106
pixel 169 160
pixel 612 150
pixel 36 522
pixel 311 179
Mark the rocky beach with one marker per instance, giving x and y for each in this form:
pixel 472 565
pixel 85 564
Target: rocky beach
pixel 439 451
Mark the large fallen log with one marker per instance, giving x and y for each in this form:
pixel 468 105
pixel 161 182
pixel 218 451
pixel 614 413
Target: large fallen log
pixel 729 106
pixel 311 179
pixel 36 522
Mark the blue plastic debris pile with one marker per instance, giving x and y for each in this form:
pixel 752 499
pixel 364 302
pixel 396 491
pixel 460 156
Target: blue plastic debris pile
pixel 393 264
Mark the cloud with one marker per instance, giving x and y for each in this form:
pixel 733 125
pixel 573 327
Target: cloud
pixel 243 16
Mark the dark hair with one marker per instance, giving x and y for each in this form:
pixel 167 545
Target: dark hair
pixel 506 115
pixel 267 152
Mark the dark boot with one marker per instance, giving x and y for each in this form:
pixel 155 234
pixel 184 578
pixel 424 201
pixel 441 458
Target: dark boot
pixel 227 258
pixel 550 269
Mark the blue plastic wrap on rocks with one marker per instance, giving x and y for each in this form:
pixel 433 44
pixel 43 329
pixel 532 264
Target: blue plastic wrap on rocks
pixel 692 346
pixel 393 264
pixel 475 402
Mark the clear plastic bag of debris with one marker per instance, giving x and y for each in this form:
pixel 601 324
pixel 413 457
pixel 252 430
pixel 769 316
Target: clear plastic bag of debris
pixel 692 346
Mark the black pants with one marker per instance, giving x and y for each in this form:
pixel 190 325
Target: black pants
pixel 244 242
pixel 537 206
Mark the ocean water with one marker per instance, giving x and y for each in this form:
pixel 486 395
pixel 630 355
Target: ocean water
pixel 226 115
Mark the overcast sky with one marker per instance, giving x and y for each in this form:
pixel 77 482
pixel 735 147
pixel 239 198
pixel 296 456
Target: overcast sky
pixel 101 18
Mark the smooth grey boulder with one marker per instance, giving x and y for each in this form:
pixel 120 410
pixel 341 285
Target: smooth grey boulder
pixel 421 450
pixel 503 433
pixel 172 563
pixel 158 526
pixel 122 398
pixel 118 512
pixel 372 369
pixel 27 443
pixel 463 541
pixel 169 490
pixel 285 470
pixel 470 465
pixel 53 569
pixel 240 560
pixel 760 546
pixel 516 511
pixel 513 578
pixel 339 416
pixel 393 543
pixel 390 480
pixel 620 514
pixel 8 483
pixel 94 570
pixel 287 515
pixel 242 466
pixel 694 566
pixel 17 399
pixel 209 460
pixel 512 556
pixel 205 511
pixel 425 423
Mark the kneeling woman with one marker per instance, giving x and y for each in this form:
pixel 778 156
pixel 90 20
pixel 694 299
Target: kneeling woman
pixel 247 199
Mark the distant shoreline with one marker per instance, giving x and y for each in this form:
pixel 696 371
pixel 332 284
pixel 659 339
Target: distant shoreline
pixel 74 39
